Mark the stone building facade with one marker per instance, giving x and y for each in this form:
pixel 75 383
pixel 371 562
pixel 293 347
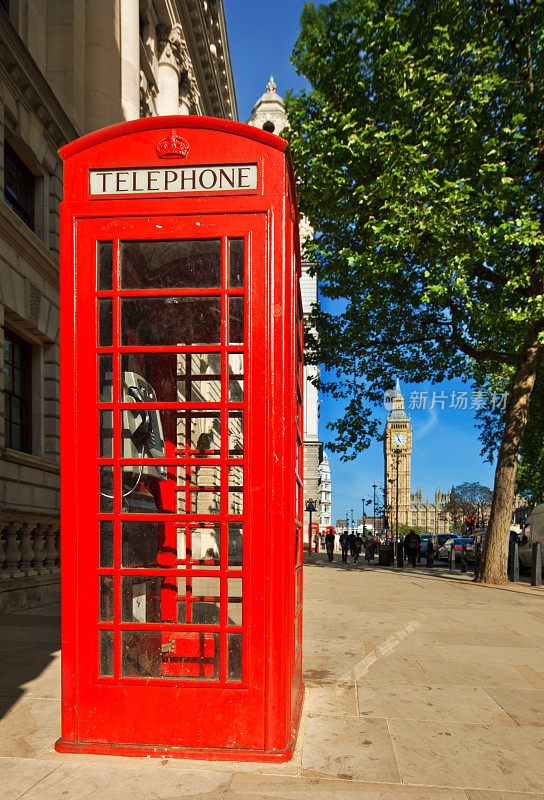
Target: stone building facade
pixel 68 67
pixel 413 510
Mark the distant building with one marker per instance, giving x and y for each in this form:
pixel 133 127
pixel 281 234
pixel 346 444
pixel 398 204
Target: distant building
pixel 325 493
pixel 413 510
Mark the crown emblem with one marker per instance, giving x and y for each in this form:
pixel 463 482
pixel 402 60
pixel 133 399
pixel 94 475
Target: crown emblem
pixel 172 146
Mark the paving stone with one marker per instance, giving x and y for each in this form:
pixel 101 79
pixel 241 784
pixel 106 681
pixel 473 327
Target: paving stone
pixel 525 706
pixel 29 727
pixel 19 774
pixel 246 787
pixel 454 703
pixel 353 749
pixel 473 756
pixel 72 781
pixel 332 700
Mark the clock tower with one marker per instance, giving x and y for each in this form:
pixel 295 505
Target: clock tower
pixel 397 446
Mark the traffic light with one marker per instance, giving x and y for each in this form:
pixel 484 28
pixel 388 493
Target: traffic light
pixel 470 521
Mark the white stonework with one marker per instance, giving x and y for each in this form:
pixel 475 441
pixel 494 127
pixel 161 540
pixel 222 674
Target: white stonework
pixel 325 493
pixel 269 114
pixel 68 67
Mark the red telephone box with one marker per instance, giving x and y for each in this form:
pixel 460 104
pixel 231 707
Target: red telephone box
pixel 182 455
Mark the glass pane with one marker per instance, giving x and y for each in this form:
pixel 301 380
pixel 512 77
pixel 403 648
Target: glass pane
pixel 236 263
pixel 172 264
pixel 205 600
pixel 199 545
pixel 149 433
pixel 106 598
pixel 236 544
pixel 194 656
pixel 234 601
pixel 18 381
pixel 236 377
pixel 176 377
pixel 170 320
pixel 105 322
pixel 141 653
pixel 236 490
pixel 236 434
pixel 16 439
pixel 105 265
pixel 199 375
pixel 148 599
pixel 105 378
pixel 234 656
pixel 140 544
pixel 236 320
pixel 140 494
pixel 205 490
pixel 105 647
pixel 105 434
pixel 106 489
pixel 106 543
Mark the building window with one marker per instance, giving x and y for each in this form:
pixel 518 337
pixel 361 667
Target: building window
pixel 19 186
pixel 17 361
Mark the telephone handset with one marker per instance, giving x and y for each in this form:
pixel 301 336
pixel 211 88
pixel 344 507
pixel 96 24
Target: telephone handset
pixel 142 435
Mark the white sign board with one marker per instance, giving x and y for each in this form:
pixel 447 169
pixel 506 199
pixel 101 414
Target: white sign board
pixel 170 180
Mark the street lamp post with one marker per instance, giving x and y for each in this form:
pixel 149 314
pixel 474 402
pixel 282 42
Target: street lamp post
pixel 364 515
pixel 374 487
pixel 310 508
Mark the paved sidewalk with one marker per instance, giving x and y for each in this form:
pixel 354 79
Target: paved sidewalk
pixel 418 686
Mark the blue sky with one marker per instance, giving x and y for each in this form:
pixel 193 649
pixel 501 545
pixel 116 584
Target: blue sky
pixel 446 449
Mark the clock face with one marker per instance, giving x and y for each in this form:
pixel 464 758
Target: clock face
pixel 399 439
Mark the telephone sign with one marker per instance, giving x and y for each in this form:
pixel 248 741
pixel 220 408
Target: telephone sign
pixel 182 448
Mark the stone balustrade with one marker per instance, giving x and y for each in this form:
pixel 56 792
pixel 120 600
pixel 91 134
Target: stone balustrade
pixel 29 545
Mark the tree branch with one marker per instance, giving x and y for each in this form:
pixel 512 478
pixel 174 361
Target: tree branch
pixel 486 274
pixel 484 355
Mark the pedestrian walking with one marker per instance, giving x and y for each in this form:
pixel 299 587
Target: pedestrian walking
pixel 370 548
pixel 357 547
pixel 412 545
pixel 344 544
pixel 430 553
pixel 329 544
pixel 351 541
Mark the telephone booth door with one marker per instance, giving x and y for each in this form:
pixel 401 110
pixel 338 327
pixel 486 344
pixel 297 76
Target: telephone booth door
pixel 173 426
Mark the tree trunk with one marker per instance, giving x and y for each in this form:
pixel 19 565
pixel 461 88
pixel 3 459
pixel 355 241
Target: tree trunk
pixel 494 561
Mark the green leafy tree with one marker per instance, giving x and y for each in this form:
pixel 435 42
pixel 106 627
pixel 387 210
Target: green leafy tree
pixel 419 155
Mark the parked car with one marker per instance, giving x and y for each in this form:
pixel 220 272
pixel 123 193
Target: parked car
pixel 458 542
pixel 534 532
pixel 425 539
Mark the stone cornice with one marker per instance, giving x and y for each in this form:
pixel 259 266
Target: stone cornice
pixel 213 72
pixel 26 77
pixel 19 236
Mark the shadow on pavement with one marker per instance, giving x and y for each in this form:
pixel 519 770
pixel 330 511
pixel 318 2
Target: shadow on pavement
pixel 29 641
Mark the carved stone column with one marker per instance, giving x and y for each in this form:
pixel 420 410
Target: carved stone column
pixel 27 553
pixel 39 550
pixel 102 64
pixel 130 59
pixel 51 553
pixel 13 555
pixel 169 69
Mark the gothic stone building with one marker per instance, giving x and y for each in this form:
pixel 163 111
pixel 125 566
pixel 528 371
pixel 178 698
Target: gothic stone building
pixel 412 509
pixel 68 68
